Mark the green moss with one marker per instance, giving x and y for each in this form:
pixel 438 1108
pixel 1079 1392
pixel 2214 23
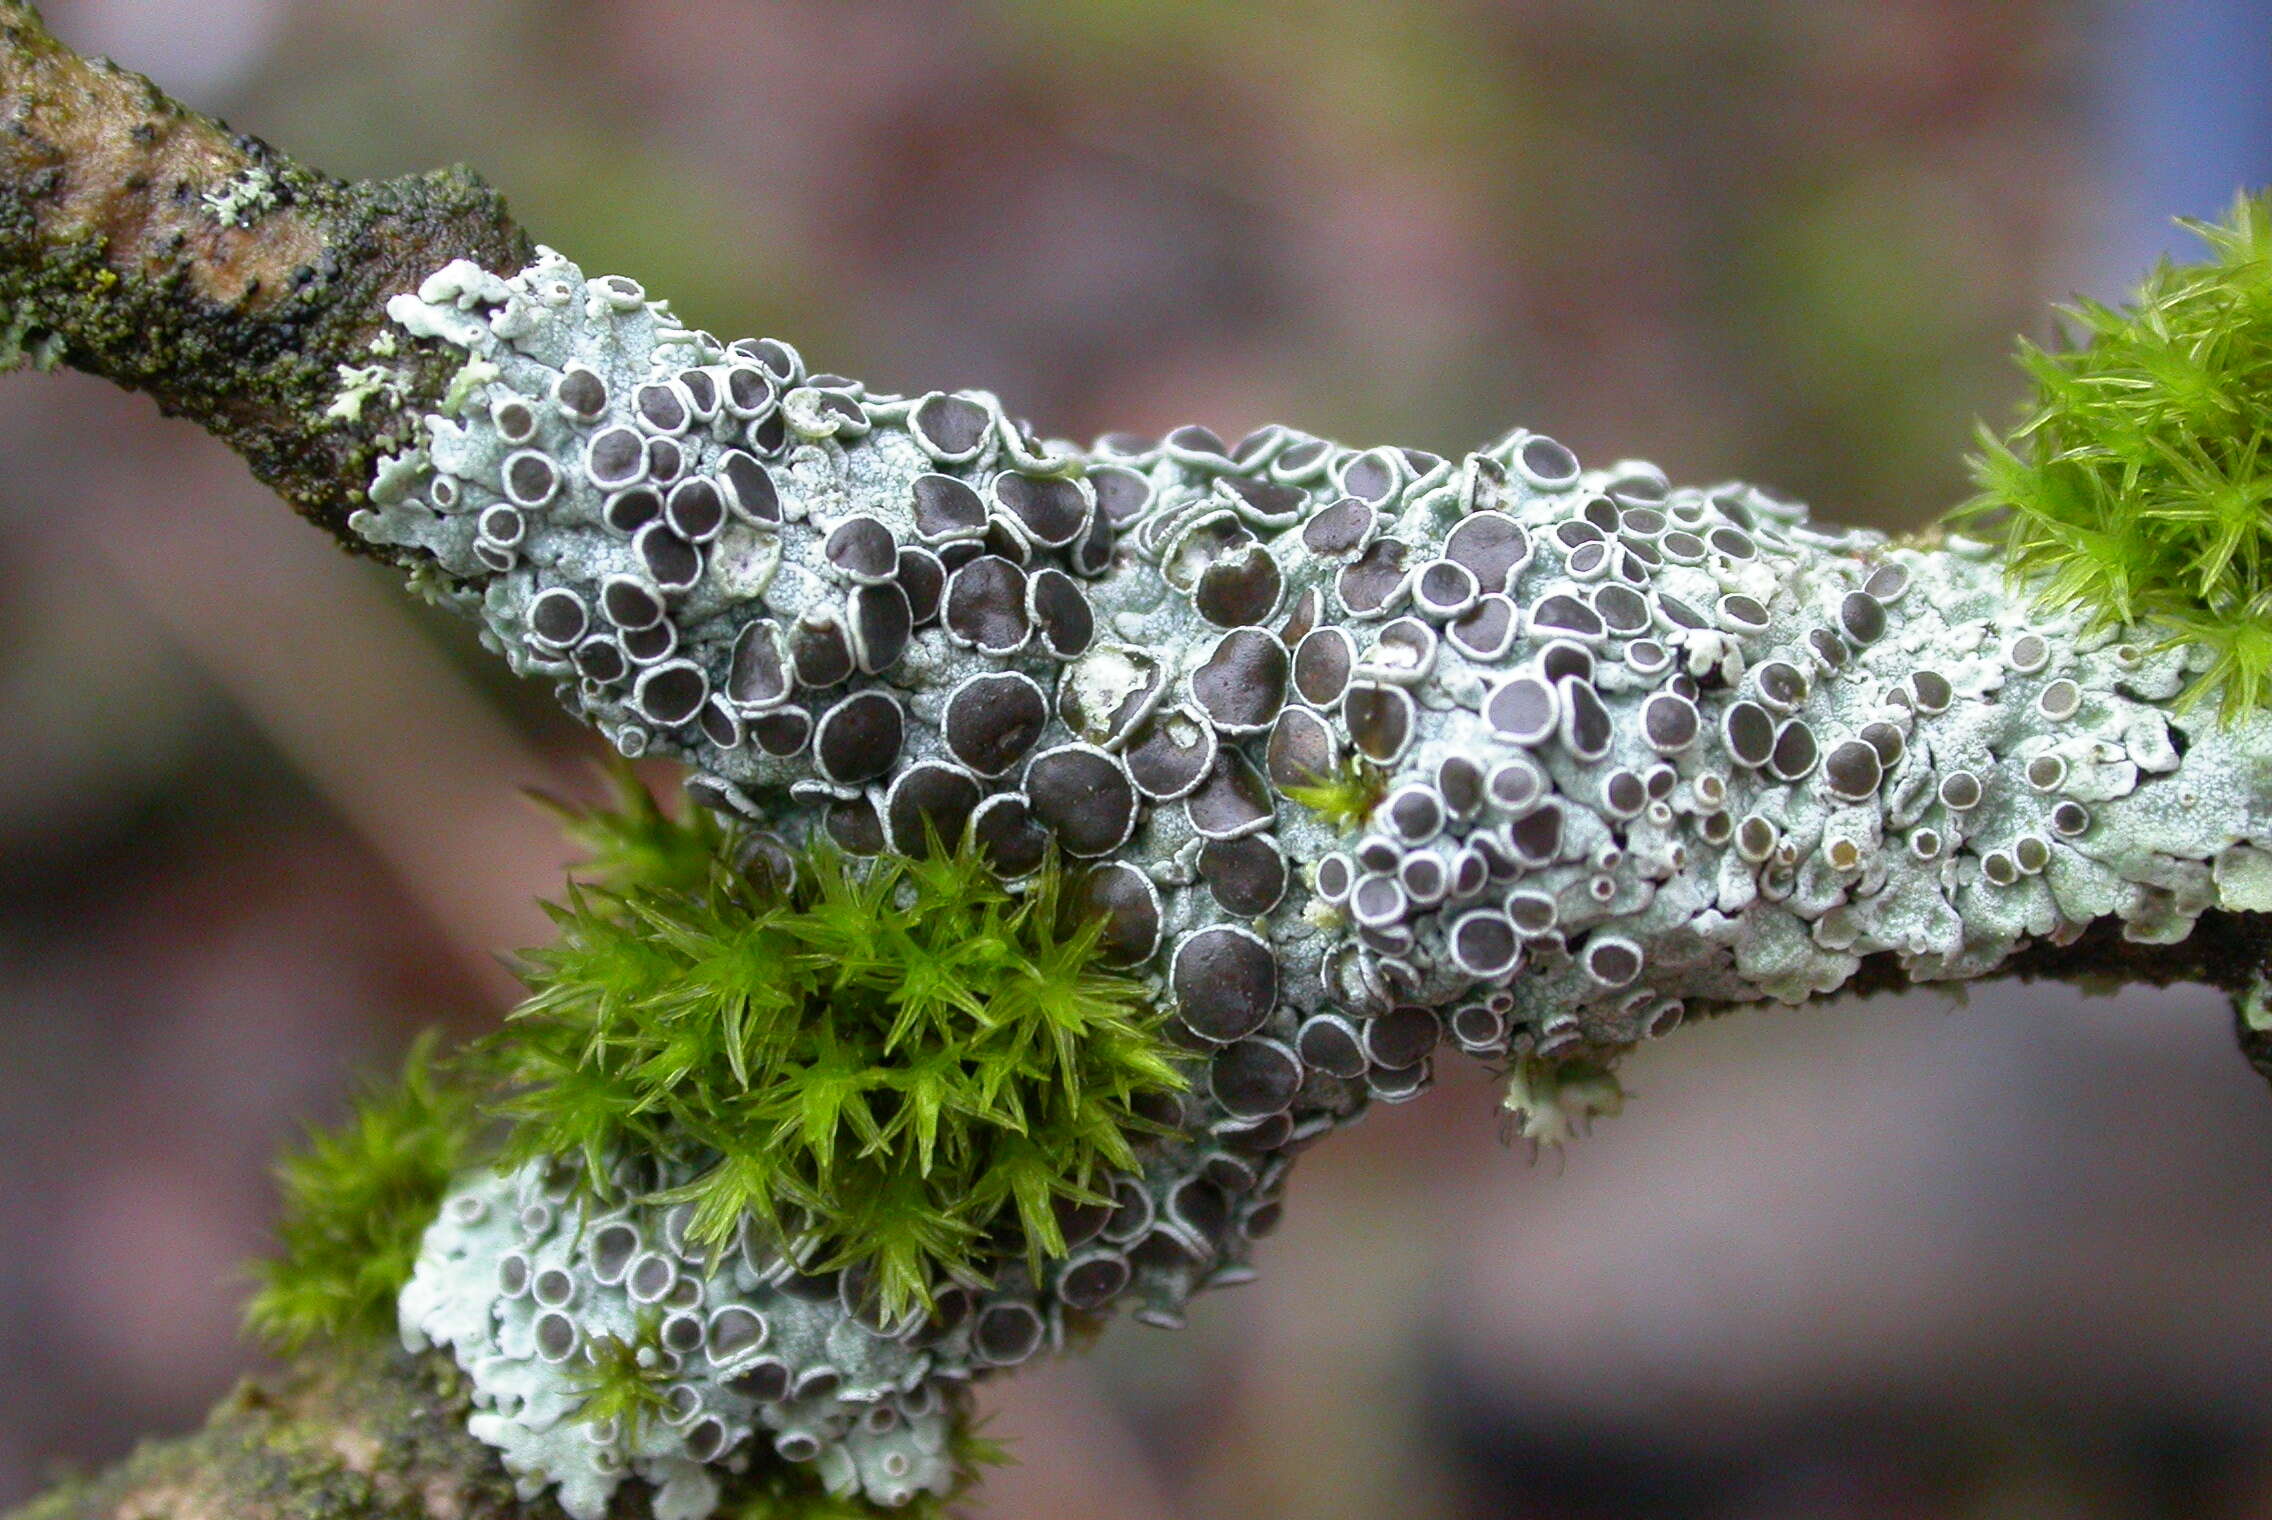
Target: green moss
pixel 903 1062
pixel 1347 797
pixel 632 843
pixel 896 1059
pixel 357 1200
pixel 2138 483
pixel 623 1381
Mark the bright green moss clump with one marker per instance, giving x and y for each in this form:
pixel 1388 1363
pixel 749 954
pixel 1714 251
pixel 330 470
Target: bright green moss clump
pixel 632 842
pixel 357 1201
pixel 897 1061
pixel 895 1058
pixel 2139 485
pixel 1346 797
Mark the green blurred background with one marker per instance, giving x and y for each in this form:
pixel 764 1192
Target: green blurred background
pixel 258 813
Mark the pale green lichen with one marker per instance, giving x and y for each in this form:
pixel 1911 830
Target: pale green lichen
pixel 360 385
pixel 466 384
pixel 1607 748
pixel 241 201
pixel 1549 1103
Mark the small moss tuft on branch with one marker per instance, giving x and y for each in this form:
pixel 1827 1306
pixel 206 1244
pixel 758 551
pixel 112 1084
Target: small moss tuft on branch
pixel 896 1056
pixel 356 1202
pixel 2138 486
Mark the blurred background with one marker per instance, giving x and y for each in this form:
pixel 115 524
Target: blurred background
pixel 258 812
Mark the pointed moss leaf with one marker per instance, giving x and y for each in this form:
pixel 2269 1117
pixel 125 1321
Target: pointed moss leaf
pixel 357 1200
pixel 2136 485
pixel 899 1055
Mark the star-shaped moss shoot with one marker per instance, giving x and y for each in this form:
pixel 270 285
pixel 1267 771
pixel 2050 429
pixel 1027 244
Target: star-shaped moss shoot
pixel 1346 796
pixel 2138 484
pixel 623 1381
pixel 882 1062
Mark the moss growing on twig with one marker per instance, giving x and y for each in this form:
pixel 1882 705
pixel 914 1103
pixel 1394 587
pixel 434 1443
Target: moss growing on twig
pixel 1346 797
pixel 357 1200
pixel 623 1380
pixel 630 842
pixel 2138 486
pixel 886 1059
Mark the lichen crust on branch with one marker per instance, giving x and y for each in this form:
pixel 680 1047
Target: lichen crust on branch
pixel 535 1298
pixel 1589 750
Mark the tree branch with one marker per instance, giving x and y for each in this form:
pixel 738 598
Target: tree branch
pixel 150 245
pixel 348 1434
pixel 1652 749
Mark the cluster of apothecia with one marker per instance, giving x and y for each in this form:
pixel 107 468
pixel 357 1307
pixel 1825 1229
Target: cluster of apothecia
pixel 1637 748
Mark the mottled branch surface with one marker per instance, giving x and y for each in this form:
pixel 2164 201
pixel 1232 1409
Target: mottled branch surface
pixel 366 1434
pixel 114 261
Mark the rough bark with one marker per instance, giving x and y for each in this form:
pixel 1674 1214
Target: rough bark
pixel 113 261
pixel 363 1434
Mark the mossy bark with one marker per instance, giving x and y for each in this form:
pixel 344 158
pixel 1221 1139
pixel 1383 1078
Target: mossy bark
pixel 114 261
pixel 367 1433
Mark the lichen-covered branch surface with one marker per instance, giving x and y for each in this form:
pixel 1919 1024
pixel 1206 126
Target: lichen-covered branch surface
pixel 1093 829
